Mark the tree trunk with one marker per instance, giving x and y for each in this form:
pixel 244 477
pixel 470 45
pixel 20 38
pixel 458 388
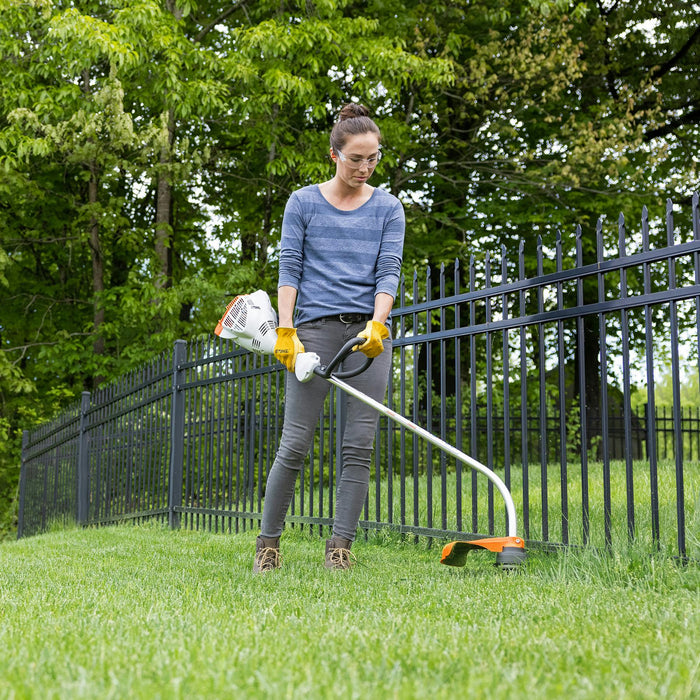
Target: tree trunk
pixel 164 194
pixel 98 272
pixel 164 210
pixel 254 244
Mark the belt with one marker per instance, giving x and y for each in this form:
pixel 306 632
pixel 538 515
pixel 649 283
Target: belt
pixel 349 318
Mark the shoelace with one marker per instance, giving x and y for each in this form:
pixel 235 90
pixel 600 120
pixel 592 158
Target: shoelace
pixel 268 559
pixel 341 558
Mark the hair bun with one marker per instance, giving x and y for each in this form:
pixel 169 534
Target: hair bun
pixel 353 119
pixel 353 110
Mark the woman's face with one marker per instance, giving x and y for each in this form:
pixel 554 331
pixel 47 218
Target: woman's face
pixel 352 165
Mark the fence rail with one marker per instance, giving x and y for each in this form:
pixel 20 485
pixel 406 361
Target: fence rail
pixel 534 375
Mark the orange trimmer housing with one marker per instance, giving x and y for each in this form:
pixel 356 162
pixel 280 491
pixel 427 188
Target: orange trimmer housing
pixel 510 551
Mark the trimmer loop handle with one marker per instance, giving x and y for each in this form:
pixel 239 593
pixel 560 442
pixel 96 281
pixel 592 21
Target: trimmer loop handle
pixel 325 372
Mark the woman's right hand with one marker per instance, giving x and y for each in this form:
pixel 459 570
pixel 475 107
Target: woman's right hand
pixel 287 347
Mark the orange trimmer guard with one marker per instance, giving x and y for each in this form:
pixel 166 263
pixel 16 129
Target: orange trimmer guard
pixel 455 553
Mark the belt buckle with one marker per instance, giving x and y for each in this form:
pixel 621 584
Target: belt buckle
pixel 349 318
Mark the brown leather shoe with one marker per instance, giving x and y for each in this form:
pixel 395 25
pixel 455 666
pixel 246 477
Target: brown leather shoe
pixel 338 554
pixel 267 554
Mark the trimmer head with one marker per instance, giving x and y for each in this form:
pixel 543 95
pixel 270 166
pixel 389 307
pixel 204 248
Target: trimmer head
pixel 510 551
pixel 251 321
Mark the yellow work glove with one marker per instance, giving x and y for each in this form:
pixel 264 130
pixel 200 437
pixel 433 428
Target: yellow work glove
pixel 287 347
pixel 375 333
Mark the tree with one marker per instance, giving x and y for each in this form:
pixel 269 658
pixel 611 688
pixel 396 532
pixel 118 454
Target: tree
pixel 121 127
pixel 552 118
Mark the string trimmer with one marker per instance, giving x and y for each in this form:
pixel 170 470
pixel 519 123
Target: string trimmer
pixel 251 322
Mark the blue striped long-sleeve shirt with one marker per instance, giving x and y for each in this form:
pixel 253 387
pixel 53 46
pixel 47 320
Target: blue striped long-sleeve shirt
pixel 339 260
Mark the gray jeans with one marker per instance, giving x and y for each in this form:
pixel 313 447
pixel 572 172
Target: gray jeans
pixel 303 405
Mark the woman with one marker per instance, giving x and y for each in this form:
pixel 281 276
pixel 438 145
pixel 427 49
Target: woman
pixel 340 260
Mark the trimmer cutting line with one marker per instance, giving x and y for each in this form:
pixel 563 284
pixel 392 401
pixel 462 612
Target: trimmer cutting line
pixel 251 322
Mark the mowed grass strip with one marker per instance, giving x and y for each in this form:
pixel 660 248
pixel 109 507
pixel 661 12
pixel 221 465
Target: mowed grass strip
pixel 144 612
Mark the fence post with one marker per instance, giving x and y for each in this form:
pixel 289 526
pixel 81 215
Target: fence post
pixel 83 460
pixel 22 484
pixel 177 435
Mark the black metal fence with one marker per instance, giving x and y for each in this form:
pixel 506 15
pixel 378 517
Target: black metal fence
pixel 536 373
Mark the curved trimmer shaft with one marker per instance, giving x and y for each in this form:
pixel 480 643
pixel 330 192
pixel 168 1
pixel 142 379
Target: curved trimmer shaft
pixel 510 550
pixel 310 363
pixel 444 446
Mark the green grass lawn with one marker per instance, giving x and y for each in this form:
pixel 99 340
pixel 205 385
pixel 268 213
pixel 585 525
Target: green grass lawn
pixel 143 612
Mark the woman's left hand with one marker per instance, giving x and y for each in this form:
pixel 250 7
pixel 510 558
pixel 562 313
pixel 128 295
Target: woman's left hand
pixel 375 332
